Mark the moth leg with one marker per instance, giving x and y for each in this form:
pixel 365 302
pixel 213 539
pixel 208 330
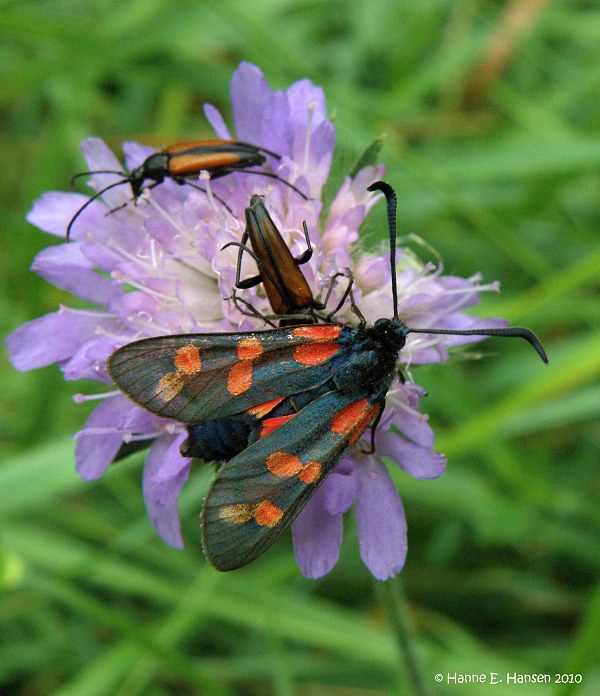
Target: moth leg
pixel 371 450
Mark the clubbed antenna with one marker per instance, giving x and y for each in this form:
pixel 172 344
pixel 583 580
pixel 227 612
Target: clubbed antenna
pixel 509 331
pixel 392 202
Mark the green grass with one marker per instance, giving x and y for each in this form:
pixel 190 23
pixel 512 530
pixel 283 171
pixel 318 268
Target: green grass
pixel 499 174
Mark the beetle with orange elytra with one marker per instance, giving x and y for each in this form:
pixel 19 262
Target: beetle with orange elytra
pixel 182 162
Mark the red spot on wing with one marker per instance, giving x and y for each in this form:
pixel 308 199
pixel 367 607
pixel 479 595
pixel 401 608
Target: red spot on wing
pixel 267 514
pixel 324 332
pixel 261 410
pixel 364 422
pixel 283 464
pixel 187 359
pixel 350 416
pixel 239 378
pixel 310 473
pixel 271 424
pixel 249 349
pixel 314 353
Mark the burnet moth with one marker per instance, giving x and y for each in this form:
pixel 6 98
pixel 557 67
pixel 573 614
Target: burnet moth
pixel 337 375
pixel 182 162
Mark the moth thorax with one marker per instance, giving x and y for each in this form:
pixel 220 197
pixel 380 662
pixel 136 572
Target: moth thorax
pixel 391 332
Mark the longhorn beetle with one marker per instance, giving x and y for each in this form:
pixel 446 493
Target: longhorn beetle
pixel 339 375
pixel 184 160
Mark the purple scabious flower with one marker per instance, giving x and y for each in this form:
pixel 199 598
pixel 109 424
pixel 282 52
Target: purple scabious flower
pixel 158 268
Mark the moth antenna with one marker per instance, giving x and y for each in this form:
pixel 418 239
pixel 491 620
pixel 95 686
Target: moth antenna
pixel 392 203
pixel 509 331
pixel 91 200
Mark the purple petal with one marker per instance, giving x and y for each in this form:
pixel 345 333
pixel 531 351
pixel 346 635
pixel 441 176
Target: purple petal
pixel 138 421
pixel 89 362
pixel 340 490
pixel 380 520
pixel 420 462
pixel 136 154
pixel 415 428
pixel 370 272
pixel 53 210
pixel 101 158
pixel 55 337
pixel 164 514
pixel 404 404
pixel 322 144
pixel 66 267
pixel 427 354
pixel 317 537
pixel 97 448
pixel 168 471
pixel 300 95
pixel 213 116
pixel 275 125
pixel 250 93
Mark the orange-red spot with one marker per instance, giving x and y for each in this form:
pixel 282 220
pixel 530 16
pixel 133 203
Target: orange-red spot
pixel 271 424
pixel 267 514
pixel 187 359
pixel 237 513
pixel 323 332
pixel 349 416
pixel 239 378
pixel 261 410
pixel 314 353
pixel 284 464
pixel 169 386
pixel 364 422
pixel 310 473
pixel 249 349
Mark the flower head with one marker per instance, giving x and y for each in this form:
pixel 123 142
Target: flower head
pixel 159 267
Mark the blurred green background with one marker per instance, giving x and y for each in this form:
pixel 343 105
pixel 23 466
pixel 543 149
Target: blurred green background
pixel 491 118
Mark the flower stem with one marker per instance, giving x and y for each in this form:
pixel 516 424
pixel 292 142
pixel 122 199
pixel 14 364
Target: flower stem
pixel 392 594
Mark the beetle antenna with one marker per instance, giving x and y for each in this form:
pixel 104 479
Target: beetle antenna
pixel 97 171
pixel 392 202
pixel 271 175
pixel 263 149
pixel 509 331
pixel 91 200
